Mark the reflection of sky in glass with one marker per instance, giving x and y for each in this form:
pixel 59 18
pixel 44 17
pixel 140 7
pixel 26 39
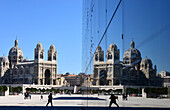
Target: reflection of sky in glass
pixel 144 21
pixel 147 23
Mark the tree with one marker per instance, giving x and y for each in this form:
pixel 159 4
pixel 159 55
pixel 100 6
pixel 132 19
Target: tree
pixel 131 91
pixel 33 90
pixel 1 89
pixel 17 89
pixel 156 90
pixel 4 88
pixel 42 90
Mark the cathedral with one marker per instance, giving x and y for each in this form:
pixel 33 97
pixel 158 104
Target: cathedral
pixel 133 70
pixel 16 70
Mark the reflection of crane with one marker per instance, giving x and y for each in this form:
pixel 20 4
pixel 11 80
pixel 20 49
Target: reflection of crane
pixel 103 35
pixel 148 39
pixel 91 31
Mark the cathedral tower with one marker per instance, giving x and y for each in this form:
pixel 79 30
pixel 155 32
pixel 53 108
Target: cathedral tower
pixel 39 52
pixel 52 54
pixel 99 55
pixel 113 53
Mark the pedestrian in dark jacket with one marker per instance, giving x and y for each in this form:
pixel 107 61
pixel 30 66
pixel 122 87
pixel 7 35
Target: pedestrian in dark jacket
pixel 113 100
pixel 50 100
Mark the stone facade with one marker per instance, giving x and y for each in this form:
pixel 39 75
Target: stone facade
pixel 75 80
pixel 4 66
pixel 133 70
pixel 37 71
pixel 165 77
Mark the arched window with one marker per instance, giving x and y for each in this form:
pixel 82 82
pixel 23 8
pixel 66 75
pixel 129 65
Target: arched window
pixel 103 76
pixel 95 73
pixel 41 55
pixel 21 71
pixel 27 71
pixel 101 57
pixel 145 66
pixel 49 58
pixel 96 57
pixel 54 57
pixel 15 72
pixel 36 56
pixel 109 56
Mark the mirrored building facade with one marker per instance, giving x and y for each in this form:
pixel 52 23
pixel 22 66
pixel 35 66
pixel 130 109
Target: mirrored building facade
pixel 126 38
pixel 133 70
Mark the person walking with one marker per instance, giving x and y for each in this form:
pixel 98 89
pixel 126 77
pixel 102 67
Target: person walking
pixel 50 100
pixel 41 97
pixel 113 100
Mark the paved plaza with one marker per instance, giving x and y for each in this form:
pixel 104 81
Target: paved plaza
pixel 79 101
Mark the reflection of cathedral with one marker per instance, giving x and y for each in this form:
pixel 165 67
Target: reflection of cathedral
pixel 132 71
pixel 15 70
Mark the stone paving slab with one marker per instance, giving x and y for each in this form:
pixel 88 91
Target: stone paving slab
pixel 75 108
pixel 83 101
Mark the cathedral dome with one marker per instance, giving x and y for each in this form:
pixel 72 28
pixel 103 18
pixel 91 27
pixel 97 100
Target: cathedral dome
pixel 52 47
pixel 16 50
pixel 112 46
pixel 131 55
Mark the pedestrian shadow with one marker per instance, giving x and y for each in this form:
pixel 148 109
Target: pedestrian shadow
pixel 77 98
pixel 76 108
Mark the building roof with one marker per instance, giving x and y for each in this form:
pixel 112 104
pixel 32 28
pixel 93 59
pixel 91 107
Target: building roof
pixel 4 59
pixel 16 50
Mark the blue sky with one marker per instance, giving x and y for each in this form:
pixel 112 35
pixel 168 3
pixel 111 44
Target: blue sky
pixel 57 22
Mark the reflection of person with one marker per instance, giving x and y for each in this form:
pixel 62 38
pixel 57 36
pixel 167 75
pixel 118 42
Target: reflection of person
pixel 41 97
pixel 50 100
pixel 29 95
pixel 26 95
pixel 124 97
pixel 113 100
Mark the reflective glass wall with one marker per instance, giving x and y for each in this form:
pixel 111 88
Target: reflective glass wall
pixel 140 24
pixel 96 17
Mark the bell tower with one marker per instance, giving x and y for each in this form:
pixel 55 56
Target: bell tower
pixel 39 52
pixel 52 54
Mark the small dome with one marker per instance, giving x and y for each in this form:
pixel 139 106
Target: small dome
pixel 39 45
pixel 112 46
pixel 146 61
pixel 4 59
pixel 52 47
pixel 67 73
pixel 81 74
pixel 98 49
pixel 26 60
